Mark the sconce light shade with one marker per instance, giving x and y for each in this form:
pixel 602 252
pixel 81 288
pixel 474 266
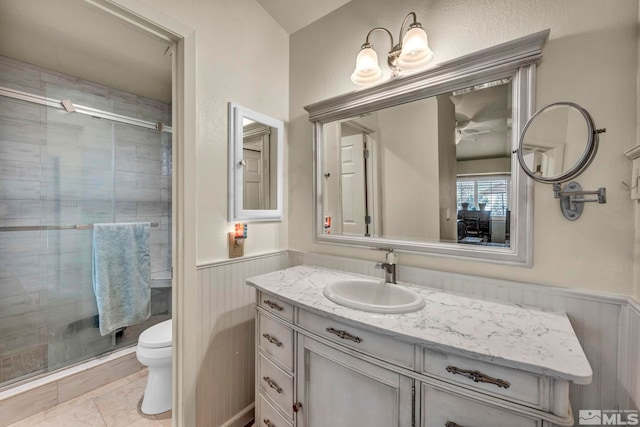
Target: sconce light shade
pixel 415 52
pixel 367 69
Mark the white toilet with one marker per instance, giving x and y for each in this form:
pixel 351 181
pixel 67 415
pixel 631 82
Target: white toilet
pixel 154 351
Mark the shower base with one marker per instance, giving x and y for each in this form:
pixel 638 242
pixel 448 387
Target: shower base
pixel 43 392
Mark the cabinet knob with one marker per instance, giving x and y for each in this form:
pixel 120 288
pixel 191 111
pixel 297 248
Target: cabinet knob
pixel 297 406
pixel 451 424
pixel 268 423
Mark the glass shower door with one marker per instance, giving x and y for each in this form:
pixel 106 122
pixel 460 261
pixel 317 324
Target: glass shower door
pixel 78 190
pixel 60 173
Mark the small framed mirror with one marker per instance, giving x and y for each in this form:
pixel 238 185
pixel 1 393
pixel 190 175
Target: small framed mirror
pixel 557 143
pixel 255 166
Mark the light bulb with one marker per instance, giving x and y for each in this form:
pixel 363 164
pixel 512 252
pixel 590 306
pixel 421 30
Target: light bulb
pixel 367 69
pixel 415 52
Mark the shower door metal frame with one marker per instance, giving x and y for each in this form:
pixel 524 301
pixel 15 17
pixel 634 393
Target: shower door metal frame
pixel 93 112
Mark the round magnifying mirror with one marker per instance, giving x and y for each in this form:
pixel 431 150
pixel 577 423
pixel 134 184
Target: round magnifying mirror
pixel 557 143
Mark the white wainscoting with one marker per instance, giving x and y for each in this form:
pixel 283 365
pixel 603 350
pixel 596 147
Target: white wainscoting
pixel 629 378
pixel 226 375
pixel 608 326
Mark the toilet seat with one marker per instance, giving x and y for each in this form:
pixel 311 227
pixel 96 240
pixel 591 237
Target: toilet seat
pixel 157 336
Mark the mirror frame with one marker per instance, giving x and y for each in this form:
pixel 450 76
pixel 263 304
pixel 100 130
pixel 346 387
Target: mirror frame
pixel 236 211
pixel 516 59
pixel 584 161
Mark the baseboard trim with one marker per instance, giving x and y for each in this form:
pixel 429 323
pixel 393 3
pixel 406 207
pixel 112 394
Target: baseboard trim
pixel 242 418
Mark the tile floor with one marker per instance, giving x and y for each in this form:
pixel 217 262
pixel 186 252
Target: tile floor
pixel 113 405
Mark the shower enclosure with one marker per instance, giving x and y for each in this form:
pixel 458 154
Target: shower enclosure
pixel 72 153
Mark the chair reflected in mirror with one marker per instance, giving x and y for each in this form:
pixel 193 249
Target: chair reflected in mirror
pixel 474 226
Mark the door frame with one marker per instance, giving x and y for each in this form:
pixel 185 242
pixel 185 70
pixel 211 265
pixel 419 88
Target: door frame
pixel 183 39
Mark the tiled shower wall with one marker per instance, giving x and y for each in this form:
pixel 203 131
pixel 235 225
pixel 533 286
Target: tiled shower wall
pixel 59 168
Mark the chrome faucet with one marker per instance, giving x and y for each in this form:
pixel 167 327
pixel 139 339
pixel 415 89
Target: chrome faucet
pixel 389 271
pixel 389 267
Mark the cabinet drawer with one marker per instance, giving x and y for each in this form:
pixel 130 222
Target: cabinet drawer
pixel 276 340
pixel 516 386
pixel 375 344
pixel 268 416
pixel 276 306
pixel 276 384
pixel 440 409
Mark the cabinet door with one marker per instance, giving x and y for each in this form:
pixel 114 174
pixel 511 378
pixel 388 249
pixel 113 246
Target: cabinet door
pixel 339 390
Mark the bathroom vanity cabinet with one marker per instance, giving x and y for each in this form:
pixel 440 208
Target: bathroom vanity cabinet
pixel 322 364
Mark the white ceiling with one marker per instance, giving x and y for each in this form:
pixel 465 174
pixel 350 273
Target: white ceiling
pixel 73 37
pixel 292 15
pixel 482 123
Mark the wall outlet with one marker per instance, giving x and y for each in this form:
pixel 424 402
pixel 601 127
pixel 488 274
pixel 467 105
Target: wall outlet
pixel 236 246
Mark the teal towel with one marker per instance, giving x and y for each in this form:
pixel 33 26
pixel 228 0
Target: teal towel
pixel 121 274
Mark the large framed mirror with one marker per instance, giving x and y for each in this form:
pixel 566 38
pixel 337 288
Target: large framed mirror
pixel 426 163
pixel 255 166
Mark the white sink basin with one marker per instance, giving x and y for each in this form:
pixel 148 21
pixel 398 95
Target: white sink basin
pixel 374 296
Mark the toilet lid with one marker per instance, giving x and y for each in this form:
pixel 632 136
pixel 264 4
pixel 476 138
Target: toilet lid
pixel 156 336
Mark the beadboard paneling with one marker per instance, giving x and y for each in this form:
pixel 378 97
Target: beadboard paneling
pixel 596 319
pixel 629 378
pixel 225 386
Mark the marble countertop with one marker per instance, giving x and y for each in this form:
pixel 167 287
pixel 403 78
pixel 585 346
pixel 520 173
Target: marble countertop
pixel 541 342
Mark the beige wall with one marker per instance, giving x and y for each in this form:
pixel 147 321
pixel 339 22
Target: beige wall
pixel 242 55
pixel 590 59
pixel 470 167
pixel 409 170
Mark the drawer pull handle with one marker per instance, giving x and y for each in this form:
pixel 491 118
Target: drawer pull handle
pixel 452 424
pixel 297 406
pixel 273 384
pixel 273 305
pixel 272 340
pixel 268 423
pixel 478 377
pixel 344 335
